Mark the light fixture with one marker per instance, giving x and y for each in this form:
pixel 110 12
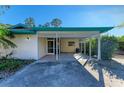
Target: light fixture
pixel 28 37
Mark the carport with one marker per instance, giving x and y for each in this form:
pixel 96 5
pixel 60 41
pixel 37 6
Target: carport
pixel 81 33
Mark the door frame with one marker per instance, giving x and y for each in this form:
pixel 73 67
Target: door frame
pixel 53 47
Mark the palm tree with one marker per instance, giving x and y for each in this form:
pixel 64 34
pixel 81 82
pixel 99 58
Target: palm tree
pixel 5 34
pixel 30 21
pixel 56 22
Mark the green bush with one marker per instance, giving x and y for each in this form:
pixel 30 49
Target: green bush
pixel 121 43
pixel 9 66
pixel 121 46
pixel 12 64
pixel 107 49
pixel 94 47
pixel 108 46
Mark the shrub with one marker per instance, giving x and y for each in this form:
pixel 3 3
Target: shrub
pixel 121 46
pixel 107 49
pixel 121 43
pixel 13 64
pixel 94 47
pixel 10 66
pixel 108 46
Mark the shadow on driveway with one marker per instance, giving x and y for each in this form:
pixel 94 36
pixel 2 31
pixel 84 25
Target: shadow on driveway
pixel 52 74
pixel 114 68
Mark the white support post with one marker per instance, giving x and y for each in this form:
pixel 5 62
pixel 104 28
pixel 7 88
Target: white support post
pixel 90 48
pixel 54 46
pixel 81 47
pixel 99 48
pixel 84 48
pixel 57 47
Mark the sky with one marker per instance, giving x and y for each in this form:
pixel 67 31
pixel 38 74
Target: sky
pixel 71 16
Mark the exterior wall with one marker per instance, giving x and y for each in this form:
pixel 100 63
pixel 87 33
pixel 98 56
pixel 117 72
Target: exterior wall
pixel 26 49
pixel 66 48
pixel 42 47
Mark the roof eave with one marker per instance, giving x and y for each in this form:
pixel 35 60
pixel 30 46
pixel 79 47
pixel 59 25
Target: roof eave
pixel 33 30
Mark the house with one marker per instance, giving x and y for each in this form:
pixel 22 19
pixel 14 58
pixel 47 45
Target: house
pixel 36 42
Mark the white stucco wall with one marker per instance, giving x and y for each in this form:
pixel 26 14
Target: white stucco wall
pixel 66 48
pixel 26 49
pixel 42 47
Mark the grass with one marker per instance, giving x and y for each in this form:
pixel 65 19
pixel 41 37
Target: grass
pixel 12 65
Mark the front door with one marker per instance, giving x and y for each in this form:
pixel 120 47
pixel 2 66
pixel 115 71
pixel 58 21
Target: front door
pixel 50 48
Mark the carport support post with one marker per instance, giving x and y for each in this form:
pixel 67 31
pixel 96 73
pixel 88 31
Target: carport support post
pixel 99 48
pixel 57 48
pixel 81 47
pixel 90 48
pixel 84 47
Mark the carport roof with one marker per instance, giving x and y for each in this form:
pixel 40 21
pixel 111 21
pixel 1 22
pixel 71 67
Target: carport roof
pixel 23 29
pixel 101 29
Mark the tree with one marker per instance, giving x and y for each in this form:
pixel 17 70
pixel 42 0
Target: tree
pixel 56 22
pixel 30 21
pixel 3 9
pixel 108 46
pixel 121 43
pixel 47 24
pixel 6 25
pixel 121 39
pixel 4 35
pixel 4 31
pixel 39 25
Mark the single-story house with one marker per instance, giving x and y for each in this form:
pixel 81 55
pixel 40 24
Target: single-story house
pixel 36 42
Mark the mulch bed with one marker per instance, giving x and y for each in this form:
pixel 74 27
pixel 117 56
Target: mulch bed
pixel 5 73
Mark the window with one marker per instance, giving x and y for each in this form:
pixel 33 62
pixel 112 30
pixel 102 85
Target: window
pixel 50 38
pixel 71 43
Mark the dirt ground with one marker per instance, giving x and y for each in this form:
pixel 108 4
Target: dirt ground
pixel 119 58
pixel 111 75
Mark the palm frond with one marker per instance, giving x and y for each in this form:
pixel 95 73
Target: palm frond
pixel 120 25
pixel 4 34
pixel 7 43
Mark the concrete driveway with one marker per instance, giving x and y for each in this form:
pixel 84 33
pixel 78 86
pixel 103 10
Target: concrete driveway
pixel 52 74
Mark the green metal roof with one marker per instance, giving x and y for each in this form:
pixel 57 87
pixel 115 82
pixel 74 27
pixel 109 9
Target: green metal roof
pixel 19 25
pixel 34 30
pixel 23 31
pixel 100 29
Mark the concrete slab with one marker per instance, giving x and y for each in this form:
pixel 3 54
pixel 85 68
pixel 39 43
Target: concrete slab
pixel 52 74
pixel 62 57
